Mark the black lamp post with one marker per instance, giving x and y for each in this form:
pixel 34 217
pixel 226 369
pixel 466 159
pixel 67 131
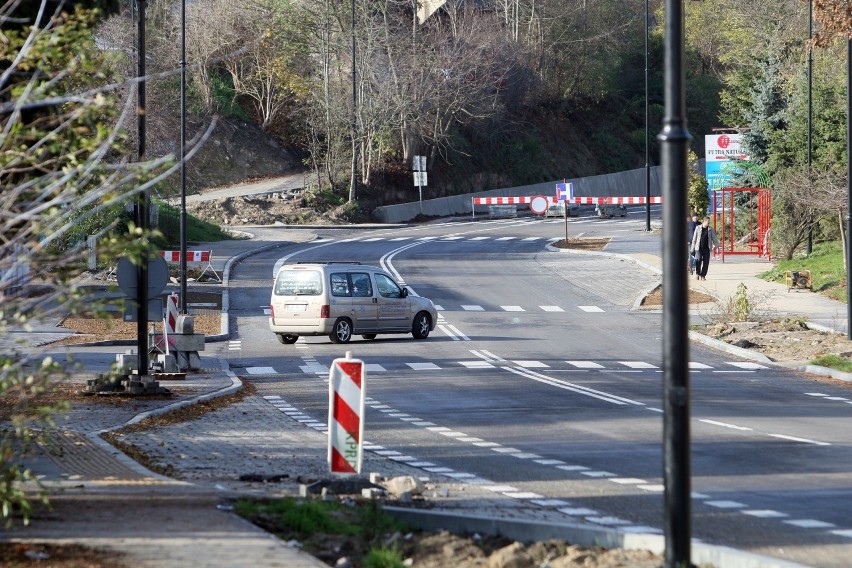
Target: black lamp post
pixel 141 210
pixel 183 304
pixel 810 241
pixel 674 147
pixel 647 142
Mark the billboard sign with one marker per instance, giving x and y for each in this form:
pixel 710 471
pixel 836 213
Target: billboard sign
pixel 719 150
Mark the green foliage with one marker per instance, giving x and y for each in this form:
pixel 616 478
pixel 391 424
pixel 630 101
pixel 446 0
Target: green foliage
pixel 742 306
pixel 197 230
pixel 834 362
pixel 322 200
pixel 225 97
pixel 697 197
pixel 825 262
pixel 384 557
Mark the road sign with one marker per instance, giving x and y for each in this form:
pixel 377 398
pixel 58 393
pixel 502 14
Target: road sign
pixel 564 191
pixel 418 164
pixel 420 179
pixel 127 276
pixel 539 204
pixel 346 415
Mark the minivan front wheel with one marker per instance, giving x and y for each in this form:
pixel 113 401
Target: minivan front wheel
pixel 421 326
pixel 342 331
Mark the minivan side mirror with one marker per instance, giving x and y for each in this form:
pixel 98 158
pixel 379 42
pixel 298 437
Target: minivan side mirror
pixel 404 291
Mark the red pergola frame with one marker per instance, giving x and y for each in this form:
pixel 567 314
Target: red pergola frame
pixel 756 239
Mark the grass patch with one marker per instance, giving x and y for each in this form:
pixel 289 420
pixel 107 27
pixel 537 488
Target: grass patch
pixel 324 529
pixel 834 362
pixel 826 265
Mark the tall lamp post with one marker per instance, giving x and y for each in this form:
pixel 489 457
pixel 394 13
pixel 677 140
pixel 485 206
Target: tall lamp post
pixel 647 142
pixel 183 304
pixel 674 147
pixel 354 179
pixel 848 186
pixel 141 210
pixel 810 241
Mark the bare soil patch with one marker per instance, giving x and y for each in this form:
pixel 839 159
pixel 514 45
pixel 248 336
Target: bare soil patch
pixel 32 554
pixel 655 298
pixel 578 243
pixel 93 329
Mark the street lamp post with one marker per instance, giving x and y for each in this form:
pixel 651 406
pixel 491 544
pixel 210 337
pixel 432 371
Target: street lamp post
pixel 674 147
pixel 183 299
pixel 647 142
pixel 141 217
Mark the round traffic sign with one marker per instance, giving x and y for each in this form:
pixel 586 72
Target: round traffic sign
pixel 128 273
pixel 538 205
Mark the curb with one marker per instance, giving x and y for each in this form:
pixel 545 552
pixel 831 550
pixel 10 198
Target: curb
pixel 733 349
pixel 583 535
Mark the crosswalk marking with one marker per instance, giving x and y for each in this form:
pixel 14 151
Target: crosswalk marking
pixel 746 365
pixel 423 366
pixel 551 308
pixel 472 308
pixel 585 364
pixel 512 308
pixel 476 364
pixel 590 309
pixel 638 365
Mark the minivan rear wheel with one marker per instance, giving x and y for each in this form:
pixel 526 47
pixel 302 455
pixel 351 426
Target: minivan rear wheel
pixel 421 326
pixel 287 339
pixel 342 331
pixel 369 336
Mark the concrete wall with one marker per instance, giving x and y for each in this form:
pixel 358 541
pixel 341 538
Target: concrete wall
pixel 630 183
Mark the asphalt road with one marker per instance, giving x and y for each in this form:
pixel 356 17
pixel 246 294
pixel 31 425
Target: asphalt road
pixel 541 382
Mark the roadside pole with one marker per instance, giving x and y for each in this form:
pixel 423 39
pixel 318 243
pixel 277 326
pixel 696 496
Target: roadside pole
pixel 565 194
pixel 419 167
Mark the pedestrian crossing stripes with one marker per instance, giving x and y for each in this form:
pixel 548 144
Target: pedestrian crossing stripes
pixel 317 368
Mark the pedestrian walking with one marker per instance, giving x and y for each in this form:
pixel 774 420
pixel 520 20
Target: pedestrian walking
pixel 691 223
pixel 702 240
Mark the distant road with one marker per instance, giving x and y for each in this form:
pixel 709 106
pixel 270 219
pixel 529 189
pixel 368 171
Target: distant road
pixel 265 186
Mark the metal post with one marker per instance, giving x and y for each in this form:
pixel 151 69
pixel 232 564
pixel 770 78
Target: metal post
pixel 810 243
pixel 848 186
pixel 183 299
pixel 353 181
pixel 674 147
pixel 647 126
pixel 141 202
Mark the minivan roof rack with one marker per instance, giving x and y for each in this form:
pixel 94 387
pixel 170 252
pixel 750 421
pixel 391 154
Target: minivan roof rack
pixel 328 262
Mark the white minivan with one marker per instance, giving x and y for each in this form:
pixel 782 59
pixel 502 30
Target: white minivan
pixel 345 299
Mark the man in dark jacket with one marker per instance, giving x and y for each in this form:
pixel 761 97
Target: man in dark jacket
pixel 691 223
pixel 702 240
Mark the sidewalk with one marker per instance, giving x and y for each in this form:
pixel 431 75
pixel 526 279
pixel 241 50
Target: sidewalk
pixel 106 500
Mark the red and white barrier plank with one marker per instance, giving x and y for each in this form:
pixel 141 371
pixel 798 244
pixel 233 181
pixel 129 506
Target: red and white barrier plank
pixel 346 415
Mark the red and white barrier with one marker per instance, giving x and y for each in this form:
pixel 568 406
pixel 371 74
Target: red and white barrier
pixel 195 256
pixel 345 415
pixel 526 199
pixel 171 313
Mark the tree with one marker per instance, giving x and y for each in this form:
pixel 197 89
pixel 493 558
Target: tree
pixel 63 162
pixel 696 194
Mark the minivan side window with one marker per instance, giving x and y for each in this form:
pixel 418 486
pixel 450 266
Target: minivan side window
pixel 387 287
pixel 361 286
pixel 340 284
pixel 298 282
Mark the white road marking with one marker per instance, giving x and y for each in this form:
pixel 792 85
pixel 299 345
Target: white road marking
pixel 725 504
pixel 585 364
pixel 551 308
pixel 638 365
pixel 590 309
pixel 746 365
pixel 577 512
pixel 765 513
pixel 809 524
pixel 654 488
pixel 423 366
pixel 260 370
pixel 476 364
pixel 725 425
pixel 628 480
pixel 815 394
pixel 803 440
pixel 693 365
pixel 523 495
pixel 512 308
pixel 597 473
pixel 551 503
pixel 472 308
pixel 531 364
pixel 374 368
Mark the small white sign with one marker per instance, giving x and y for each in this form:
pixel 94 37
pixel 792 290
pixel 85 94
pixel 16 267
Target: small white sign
pixel 418 164
pixel 420 179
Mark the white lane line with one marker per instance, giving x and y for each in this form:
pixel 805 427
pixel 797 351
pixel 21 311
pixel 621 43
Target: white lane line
pixel 654 488
pixel 260 370
pixel 458 333
pixel 523 495
pixel 439 308
pixel 500 488
pixel 573 387
pixel 551 308
pixel 423 366
pixel 525 456
pixel 585 364
pixel 597 473
pixel 746 365
pixel 421 464
pixel 314 368
pixel 438 469
pixel 725 504
pixel 608 521
pixel 374 368
pixel 476 364
pixel 637 365
pixel 550 502
pixel 836 398
pixel 572 467
pixel 550 462
pixel 803 440
pixel 628 480
pixel 460 475
pixel 504 450
pixel 423 423
pixel 846 533
pixel 531 364
pixel 448 333
pixel 486 444
pixel 504 238
pixel 765 513
pixel 725 425
pixel 809 524
pixel 472 308
pixel 694 365
pixel 488 356
pixel 591 309
pixel 815 394
pixel 577 512
pixel 512 308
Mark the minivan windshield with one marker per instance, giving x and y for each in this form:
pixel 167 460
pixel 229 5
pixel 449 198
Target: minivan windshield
pixel 298 283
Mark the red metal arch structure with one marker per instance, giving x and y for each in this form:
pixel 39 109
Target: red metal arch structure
pixel 742 218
